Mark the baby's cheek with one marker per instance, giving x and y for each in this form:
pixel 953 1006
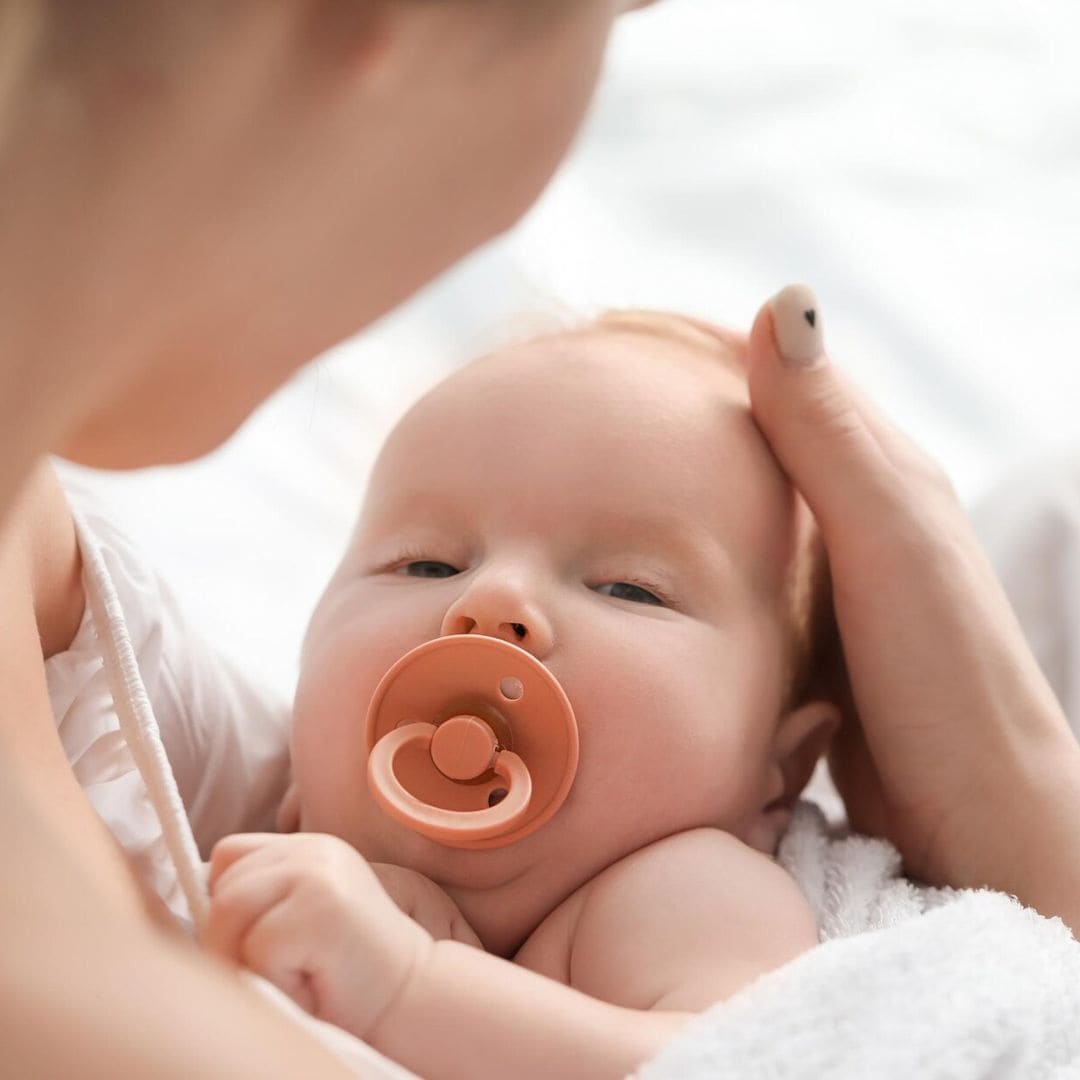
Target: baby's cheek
pixel 680 741
pixel 328 750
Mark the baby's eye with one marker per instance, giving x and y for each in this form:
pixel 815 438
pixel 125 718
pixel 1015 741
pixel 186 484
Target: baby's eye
pixel 623 590
pixel 428 568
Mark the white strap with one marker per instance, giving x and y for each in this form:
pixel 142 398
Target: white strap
pixel 138 724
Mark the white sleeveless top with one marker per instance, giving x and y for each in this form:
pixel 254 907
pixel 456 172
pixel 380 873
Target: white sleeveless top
pixel 172 748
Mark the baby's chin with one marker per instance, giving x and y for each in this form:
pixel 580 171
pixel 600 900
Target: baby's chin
pixel 381 839
pixel 453 868
pixel 504 893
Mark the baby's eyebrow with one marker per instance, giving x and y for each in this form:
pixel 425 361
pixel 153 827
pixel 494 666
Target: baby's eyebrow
pixel 687 541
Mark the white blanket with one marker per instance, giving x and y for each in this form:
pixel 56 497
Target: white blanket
pixel 909 982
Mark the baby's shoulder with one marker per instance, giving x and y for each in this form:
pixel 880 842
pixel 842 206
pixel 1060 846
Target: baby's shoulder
pixel 638 885
pixel 682 852
pixel 680 873
pixel 685 921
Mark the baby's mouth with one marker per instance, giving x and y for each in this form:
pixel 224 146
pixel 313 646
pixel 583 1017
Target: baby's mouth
pixel 472 742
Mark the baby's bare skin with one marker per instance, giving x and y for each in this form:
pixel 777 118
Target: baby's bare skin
pixel 605 502
pixel 426 904
pixel 581 944
pixel 622 938
pixel 597 988
pixel 638 545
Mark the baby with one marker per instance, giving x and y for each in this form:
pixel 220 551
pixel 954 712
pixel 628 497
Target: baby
pixel 602 499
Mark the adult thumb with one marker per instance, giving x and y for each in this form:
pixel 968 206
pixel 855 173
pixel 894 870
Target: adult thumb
pixel 810 415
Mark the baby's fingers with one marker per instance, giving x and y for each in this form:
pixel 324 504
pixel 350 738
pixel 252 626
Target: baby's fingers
pixel 237 901
pixel 276 947
pixel 230 850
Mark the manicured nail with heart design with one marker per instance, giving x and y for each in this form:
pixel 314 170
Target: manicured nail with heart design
pixel 797 326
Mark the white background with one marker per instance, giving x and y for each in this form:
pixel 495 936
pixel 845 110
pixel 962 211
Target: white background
pixel 917 162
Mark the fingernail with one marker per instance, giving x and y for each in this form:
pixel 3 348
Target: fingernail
pixel 797 326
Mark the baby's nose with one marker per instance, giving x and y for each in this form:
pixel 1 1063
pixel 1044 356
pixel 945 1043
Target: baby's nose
pixel 501 612
pixel 465 624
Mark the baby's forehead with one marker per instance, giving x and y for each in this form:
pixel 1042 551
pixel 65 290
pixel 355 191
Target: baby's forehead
pixel 622 368
pixel 594 403
pixel 602 424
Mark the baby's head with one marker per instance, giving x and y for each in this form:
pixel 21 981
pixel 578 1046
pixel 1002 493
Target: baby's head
pixel 603 499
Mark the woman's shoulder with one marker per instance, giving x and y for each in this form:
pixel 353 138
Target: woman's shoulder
pixel 39 559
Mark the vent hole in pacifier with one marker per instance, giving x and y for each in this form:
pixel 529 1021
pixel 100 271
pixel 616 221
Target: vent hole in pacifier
pixel 495 797
pixel 511 688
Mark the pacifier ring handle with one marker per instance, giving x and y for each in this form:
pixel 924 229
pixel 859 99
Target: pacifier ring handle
pixel 491 743
pixel 452 827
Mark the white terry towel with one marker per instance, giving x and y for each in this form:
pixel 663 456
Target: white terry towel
pixel 909 982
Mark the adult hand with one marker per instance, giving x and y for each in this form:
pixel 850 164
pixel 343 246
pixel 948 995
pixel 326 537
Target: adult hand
pixel 960 753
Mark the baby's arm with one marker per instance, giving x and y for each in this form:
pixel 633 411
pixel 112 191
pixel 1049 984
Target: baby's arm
pixel 466 1013
pixel 327 933
pixel 658 937
pixel 308 913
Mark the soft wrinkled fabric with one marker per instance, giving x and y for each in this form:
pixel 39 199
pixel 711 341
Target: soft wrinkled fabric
pixel 158 730
pixel 227 744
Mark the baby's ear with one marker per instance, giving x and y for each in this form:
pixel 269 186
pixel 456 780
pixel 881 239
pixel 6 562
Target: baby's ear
pixel 802 738
pixel 288 815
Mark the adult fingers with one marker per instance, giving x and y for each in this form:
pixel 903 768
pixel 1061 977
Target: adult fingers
pixel 835 455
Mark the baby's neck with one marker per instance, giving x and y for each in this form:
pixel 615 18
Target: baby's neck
pixel 503 917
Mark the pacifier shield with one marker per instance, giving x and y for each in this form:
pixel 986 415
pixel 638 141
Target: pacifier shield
pixel 472 742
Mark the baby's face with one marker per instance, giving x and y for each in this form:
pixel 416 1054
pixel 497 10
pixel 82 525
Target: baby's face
pixel 604 501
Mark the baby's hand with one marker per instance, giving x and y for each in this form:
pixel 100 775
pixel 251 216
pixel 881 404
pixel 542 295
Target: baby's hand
pixel 308 913
pixel 426 903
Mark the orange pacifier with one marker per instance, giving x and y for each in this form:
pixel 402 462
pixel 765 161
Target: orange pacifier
pixel 472 742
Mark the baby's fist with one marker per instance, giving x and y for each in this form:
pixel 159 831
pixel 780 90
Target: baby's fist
pixel 307 913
